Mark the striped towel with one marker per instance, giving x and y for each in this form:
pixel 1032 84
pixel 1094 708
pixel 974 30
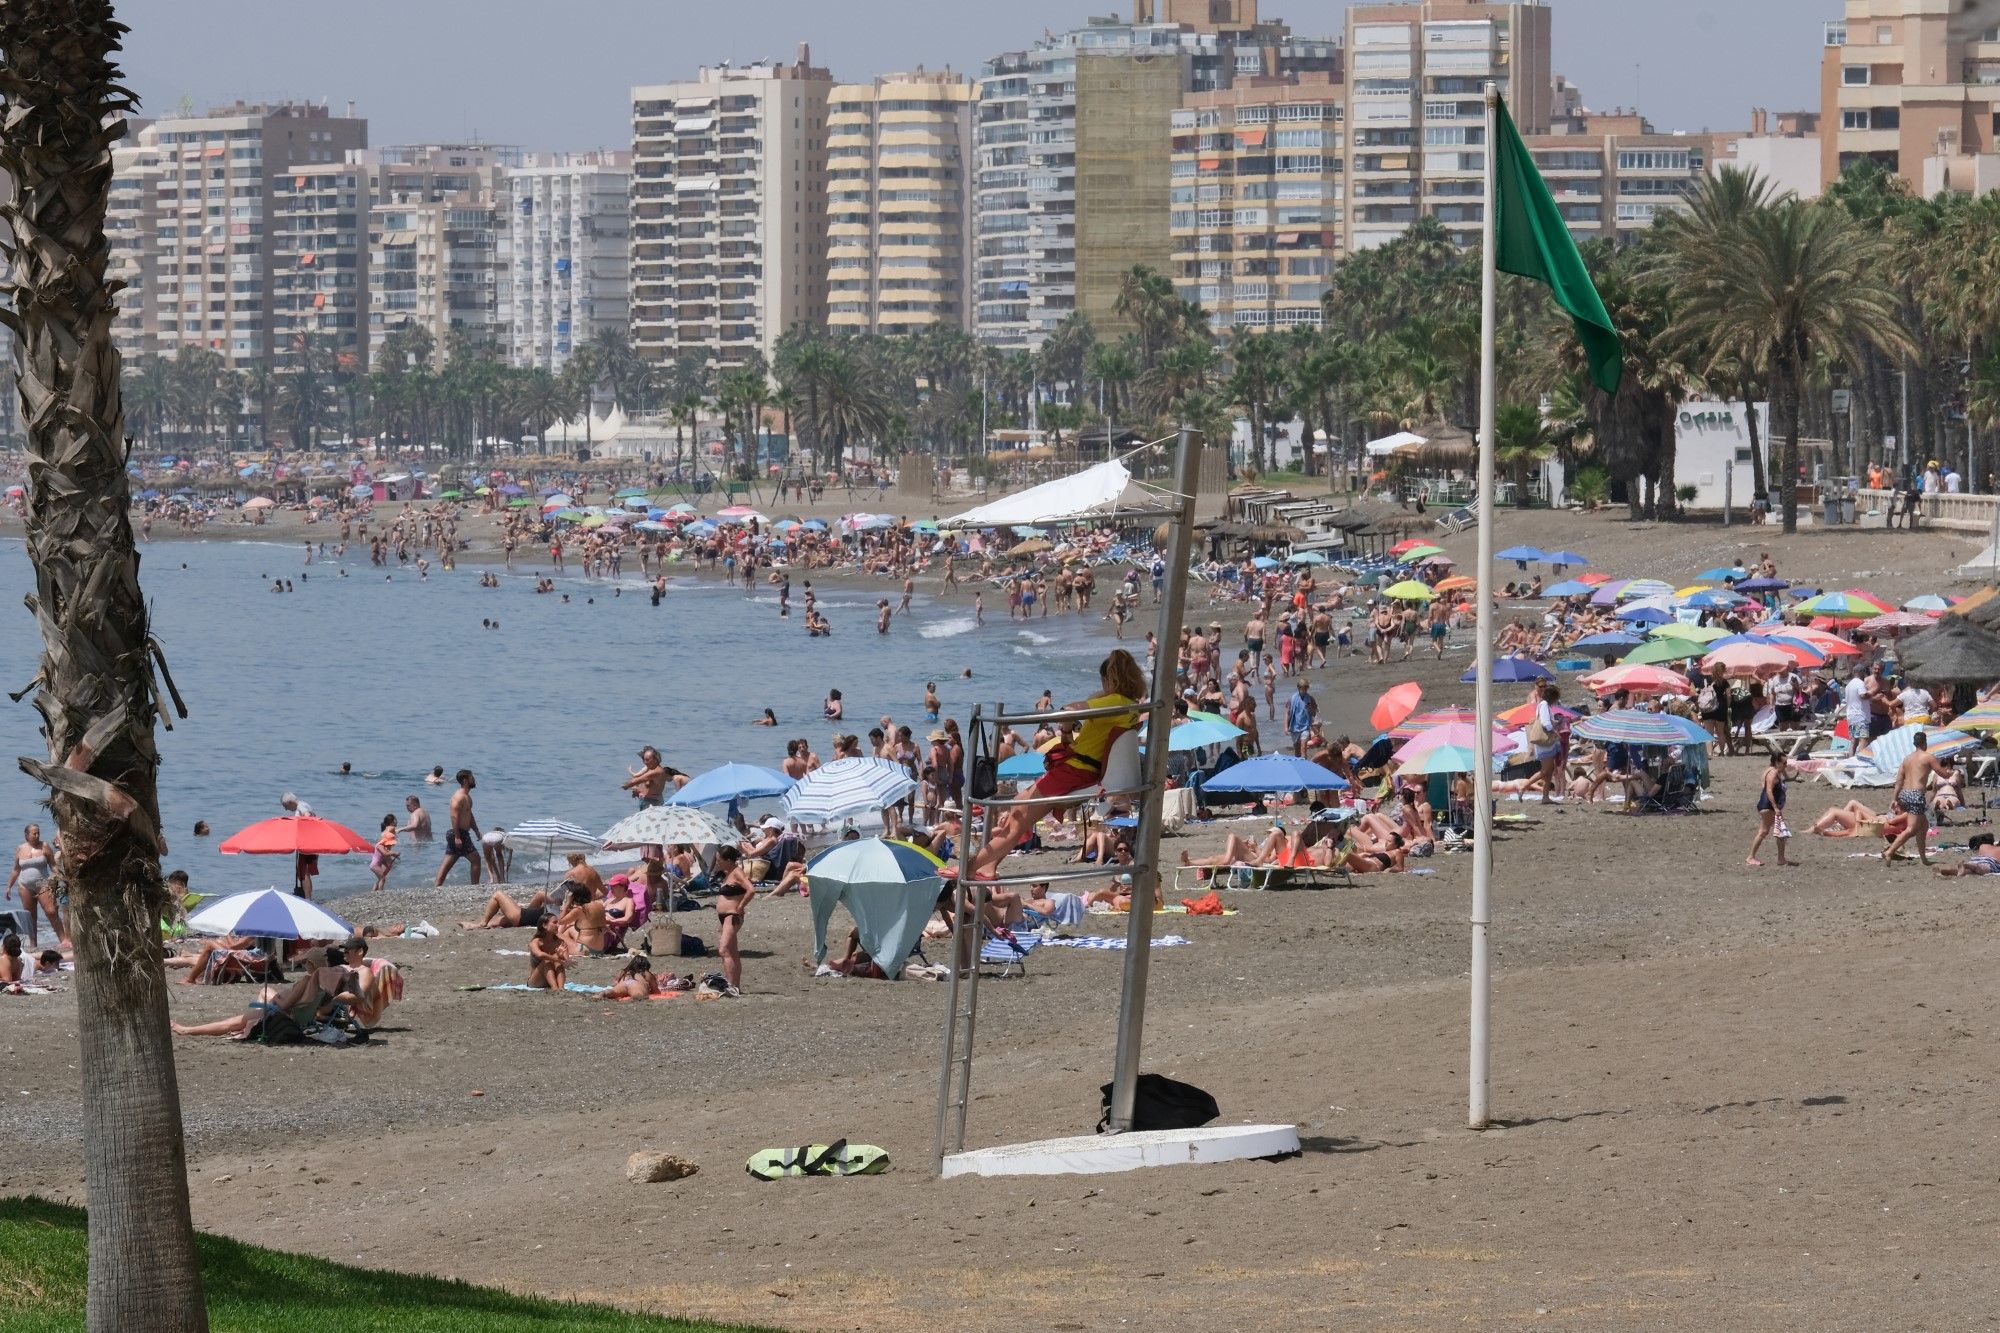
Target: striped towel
pixel 1113 942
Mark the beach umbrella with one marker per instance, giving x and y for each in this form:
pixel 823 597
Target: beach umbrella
pixel 1409 590
pixel 1029 765
pixel 550 835
pixel 1440 759
pixel 1306 558
pixel 1930 601
pixel 1436 717
pixel 1607 592
pixel 13 491
pixel 1565 558
pixel 1849 605
pixel 890 888
pixel 649 525
pixel 1522 555
pixel 1746 660
pixel 732 782
pixel 1408 544
pixel 1263 562
pixel 1717 575
pixel 1396 705
pixel 1631 726
pixel 361 493
pixel 1637 678
pixel 1819 640
pixel 1888 751
pixel 1457 583
pixel 1803 654
pixel 665 825
pixel 847 787
pixel 511 504
pixel 1511 671
pixel 1522 714
pixel 1464 735
pixel 1713 599
pixel 1569 588
pixel 701 529
pixel 1606 645
pixel 815 524
pixel 1760 586
pixel 1645 615
pixel 1200 733
pixel 1595 580
pixel 295 835
pixel 1416 553
pixel 682 508
pixel 260 502
pixel 268 914
pixel 1636 589
pixel 1674 629
pixel 1663 650
pixel 1896 623
pixel 1276 773
pixel 1984 717
pixel 1032 546
pixel 510 490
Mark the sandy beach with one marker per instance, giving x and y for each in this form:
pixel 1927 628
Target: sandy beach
pixel 1729 1098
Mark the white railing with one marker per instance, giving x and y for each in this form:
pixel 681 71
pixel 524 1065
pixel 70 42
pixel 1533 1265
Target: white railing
pixel 1964 513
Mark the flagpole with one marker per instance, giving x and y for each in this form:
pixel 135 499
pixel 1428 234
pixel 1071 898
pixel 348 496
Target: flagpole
pixel 1477 1116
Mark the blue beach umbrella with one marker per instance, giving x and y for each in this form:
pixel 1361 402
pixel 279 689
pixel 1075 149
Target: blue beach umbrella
pixel 1264 562
pixel 1565 557
pixel 732 782
pixel 890 888
pixel 1644 615
pixel 1029 765
pixel 1275 773
pixel 1606 645
pixel 1511 671
pixel 1199 733
pixel 1306 558
pixel 1523 555
pixel 1569 588
pixel 1630 726
pixel 1716 575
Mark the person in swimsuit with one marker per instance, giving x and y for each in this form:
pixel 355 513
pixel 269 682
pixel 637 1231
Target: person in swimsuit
pixel 1771 813
pixel 385 858
pixel 503 913
pixel 322 988
pixel 33 881
pixel 461 838
pixel 733 893
pixel 582 923
pixel 1912 779
pixel 548 958
pixel 1979 859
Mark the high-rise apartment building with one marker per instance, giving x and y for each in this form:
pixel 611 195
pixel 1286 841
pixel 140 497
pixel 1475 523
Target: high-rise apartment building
pixel 438 246
pixel 1416 80
pixel 319 263
pixel 1084 118
pixel 1257 183
pixel 209 213
pixel 1612 174
pixel 1900 84
pixel 130 229
pixel 729 179
pixel 899 203
pixel 569 215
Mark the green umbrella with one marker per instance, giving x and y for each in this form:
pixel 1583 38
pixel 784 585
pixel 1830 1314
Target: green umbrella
pixel 1673 629
pixel 1416 553
pixel 451 495
pixel 523 503
pixel 1663 650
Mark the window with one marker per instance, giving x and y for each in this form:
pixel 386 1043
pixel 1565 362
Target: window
pixel 1653 160
pixel 1888 118
pixel 1854 118
pixel 1856 76
pixel 1884 35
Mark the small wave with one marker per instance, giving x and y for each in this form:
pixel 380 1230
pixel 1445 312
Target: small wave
pixel 948 629
pixel 1036 639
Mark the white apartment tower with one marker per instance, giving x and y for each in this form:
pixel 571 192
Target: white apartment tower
pixel 899 204
pixel 569 216
pixel 729 178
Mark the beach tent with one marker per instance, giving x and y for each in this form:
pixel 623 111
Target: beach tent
pixel 889 888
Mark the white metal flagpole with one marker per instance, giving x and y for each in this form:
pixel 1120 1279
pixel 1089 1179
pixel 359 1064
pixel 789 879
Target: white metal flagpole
pixel 1477 1115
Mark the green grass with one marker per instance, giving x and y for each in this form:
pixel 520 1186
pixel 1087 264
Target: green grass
pixel 254 1290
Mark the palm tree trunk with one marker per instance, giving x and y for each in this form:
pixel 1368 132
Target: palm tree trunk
pixel 1757 479
pixel 1794 375
pixel 96 695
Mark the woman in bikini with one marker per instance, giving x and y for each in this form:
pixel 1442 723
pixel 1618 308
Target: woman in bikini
pixel 548 957
pixel 582 922
pixel 733 892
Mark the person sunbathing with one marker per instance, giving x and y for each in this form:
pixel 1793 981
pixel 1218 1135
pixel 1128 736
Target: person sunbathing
pixel 1388 849
pixel 854 962
pixel 1979 859
pixel 582 923
pixel 1240 852
pixel 503 913
pixel 548 958
pixel 637 982
pixel 1118 894
pixel 1947 786
pixel 1845 821
pixel 212 953
pixel 314 995
pixel 378 982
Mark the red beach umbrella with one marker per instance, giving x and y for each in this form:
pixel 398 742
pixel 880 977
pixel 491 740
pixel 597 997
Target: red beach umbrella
pixel 1396 705
pixel 293 835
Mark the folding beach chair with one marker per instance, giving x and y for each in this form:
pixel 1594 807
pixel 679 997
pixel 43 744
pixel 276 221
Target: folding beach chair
pixel 1003 947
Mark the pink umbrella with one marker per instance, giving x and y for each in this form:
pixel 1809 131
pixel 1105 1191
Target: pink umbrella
pixel 1823 642
pixel 1462 734
pixel 1750 660
pixel 1896 623
pixel 1637 679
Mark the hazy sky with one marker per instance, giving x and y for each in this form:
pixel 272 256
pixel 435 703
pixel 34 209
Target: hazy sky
pixel 551 74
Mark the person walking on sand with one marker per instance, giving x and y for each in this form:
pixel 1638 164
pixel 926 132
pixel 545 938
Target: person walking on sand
pixel 1912 779
pixel 461 835
pixel 1300 714
pixel 1771 813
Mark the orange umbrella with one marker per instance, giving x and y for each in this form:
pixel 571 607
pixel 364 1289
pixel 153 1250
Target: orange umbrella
pixel 1457 583
pixel 1396 705
pixel 1410 545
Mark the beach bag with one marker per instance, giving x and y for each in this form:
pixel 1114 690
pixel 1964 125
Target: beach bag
pixel 1159 1102
pixel 1209 904
pixel 1538 735
pixel 1708 701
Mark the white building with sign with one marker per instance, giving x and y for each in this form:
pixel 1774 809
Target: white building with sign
pixel 1710 441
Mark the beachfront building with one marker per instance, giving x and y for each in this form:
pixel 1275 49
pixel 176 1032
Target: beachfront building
pixel 899 255
pixel 1897 86
pixel 438 253
pixel 1782 147
pixel 1416 80
pixel 1612 173
pixel 569 219
pixel 319 263
pixel 1074 181
pixel 729 180
pixel 132 232
pixel 1256 218
pixel 205 227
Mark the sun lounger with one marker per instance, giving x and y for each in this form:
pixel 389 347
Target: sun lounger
pixel 1008 950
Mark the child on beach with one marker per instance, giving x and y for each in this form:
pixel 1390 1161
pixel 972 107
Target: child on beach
pixel 384 859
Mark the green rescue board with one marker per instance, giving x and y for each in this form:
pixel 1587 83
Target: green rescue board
pixel 840 1158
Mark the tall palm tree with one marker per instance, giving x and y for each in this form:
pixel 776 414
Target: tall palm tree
pixel 96 692
pixel 1519 442
pixel 1801 280
pixel 1258 378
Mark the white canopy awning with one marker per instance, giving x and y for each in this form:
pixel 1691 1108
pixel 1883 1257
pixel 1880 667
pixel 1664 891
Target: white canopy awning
pixel 1089 494
pixel 1391 444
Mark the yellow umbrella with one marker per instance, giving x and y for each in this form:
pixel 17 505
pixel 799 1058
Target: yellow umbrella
pixel 1409 590
pixel 1695 633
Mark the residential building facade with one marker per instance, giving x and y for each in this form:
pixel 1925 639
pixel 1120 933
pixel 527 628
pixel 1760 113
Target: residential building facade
pixel 569 218
pixel 438 245
pixel 209 217
pixel 1416 80
pixel 1257 199
pixel 1783 148
pixel 1612 173
pixel 729 180
pixel 131 228
pixel 899 203
pixel 319 263
pixel 1901 85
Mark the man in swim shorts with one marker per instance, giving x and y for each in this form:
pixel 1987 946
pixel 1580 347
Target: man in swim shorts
pixel 1912 778
pixel 461 836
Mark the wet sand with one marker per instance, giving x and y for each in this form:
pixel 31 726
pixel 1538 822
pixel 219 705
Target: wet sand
pixel 1728 1098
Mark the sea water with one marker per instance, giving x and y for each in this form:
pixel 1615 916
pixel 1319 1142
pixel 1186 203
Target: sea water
pixel 393 674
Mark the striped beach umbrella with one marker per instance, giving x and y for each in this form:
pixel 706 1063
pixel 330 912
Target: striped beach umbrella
pixel 1888 751
pixel 1896 623
pixel 1638 588
pixel 1637 678
pixel 554 833
pixel 268 914
pixel 1436 717
pixel 847 787
pixel 1630 726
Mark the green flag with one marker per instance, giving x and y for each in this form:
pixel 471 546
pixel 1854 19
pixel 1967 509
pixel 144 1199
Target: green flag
pixel 1534 242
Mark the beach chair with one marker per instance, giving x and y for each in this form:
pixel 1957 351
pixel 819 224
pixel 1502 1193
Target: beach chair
pixel 1459 520
pixel 1677 794
pixel 1002 947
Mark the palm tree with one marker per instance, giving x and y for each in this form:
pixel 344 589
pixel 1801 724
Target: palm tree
pixel 1801 281
pixel 1258 378
pixel 1147 301
pixel 1184 369
pixel 1519 443
pixel 540 403
pixel 97 692
pixel 1114 366
pixel 684 412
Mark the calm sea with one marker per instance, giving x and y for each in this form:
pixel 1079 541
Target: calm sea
pixel 395 675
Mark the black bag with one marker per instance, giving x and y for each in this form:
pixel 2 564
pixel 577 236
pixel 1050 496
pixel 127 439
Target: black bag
pixel 692 946
pixel 985 778
pixel 1159 1102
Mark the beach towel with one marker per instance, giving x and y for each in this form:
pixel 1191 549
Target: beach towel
pixel 1111 943
pixel 574 987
